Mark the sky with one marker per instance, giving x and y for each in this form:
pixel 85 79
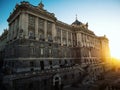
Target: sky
pixel 103 16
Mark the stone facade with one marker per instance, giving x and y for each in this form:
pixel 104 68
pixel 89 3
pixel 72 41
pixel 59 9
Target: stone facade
pixel 3 40
pixel 105 53
pixel 43 53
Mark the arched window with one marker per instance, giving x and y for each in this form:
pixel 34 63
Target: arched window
pixel 31 35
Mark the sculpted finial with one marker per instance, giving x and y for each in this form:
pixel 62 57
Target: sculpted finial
pixel 76 16
pixel 41 1
pixel 87 24
pixel 41 5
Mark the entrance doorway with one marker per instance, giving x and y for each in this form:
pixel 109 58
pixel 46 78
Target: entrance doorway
pixel 57 82
pixel 42 65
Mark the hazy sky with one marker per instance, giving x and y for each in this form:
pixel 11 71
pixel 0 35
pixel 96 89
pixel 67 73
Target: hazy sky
pixel 103 16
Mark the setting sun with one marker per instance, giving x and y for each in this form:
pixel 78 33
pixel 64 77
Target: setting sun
pixel 115 55
pixel 115 52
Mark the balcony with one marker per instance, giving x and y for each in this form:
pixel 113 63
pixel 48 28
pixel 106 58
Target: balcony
pixel 42 38
pixel 32 37
pixel 50 39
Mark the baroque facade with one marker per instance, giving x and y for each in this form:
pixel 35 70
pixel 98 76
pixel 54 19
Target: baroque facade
pixel 43 53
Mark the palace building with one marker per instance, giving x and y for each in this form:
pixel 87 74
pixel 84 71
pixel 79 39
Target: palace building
pixel 39 52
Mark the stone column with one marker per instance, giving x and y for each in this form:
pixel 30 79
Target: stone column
pixel 53 32
pixel 71 39
pixel 45 30
pixel 14 28
pixel 80 37
pixel 20 21
pixel 61 38
pixel 26 26
pixel 77 35
pixel 8 35
pixel 79 40
pixel 36 28
pixel 11 34
pixel 67 37
pixel 23 22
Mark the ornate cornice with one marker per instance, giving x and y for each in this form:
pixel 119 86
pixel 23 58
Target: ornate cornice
pixel 64 25
pixel 26 6
pixel 103 38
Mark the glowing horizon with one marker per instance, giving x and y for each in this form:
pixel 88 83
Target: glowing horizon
pixel 115 54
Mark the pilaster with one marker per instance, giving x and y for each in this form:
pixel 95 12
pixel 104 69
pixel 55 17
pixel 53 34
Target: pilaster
pixel 71 39
pixel 61 38
pixel 14 29
pixel 23 21
pixel 8 35
pixel 45 30
pixel 77 35
pixel 80 37
pixel 67 37
pixel 53 32
pixel 20 27
pixel 11 34
pixel 36 28
pixel 26 25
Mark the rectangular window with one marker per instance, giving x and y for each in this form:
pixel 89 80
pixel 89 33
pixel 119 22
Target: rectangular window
pixel 50 52
pixel 42 65
pixel 49 37
pixel 40 25
pixel 64 34
pixel 31 63
pixel 49 28
pixel 58 38
pixel 69 36
pixel 41 51
pixel 31 35
pixel 41 36
pixel 58 32
pixel 32 51
pixel 50 62
pixel 31 23
pixel 31 26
